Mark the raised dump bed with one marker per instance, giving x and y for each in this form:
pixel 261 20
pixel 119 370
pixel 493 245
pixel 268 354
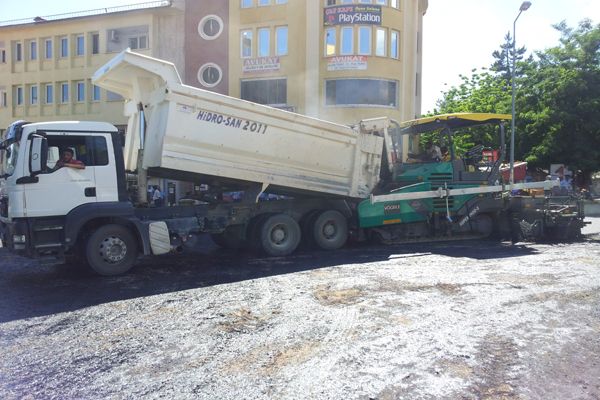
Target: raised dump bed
pixel 194 134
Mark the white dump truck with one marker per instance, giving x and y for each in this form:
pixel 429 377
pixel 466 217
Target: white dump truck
pixel 64 187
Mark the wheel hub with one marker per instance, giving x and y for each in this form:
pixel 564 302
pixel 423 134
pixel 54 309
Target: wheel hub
pixel 113 249
pixel 329 230
pixel 278 235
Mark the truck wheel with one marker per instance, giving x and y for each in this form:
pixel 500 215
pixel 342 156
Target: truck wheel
pixel 330 230
pixel 111 250
pixel 279 235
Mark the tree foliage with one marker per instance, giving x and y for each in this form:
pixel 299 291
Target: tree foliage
pixel 558 100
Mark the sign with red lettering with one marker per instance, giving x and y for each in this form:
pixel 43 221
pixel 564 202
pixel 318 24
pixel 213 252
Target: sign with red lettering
pixel 261 64
pixel 346 63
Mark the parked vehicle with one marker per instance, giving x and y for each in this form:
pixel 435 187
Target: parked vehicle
pixel 331 182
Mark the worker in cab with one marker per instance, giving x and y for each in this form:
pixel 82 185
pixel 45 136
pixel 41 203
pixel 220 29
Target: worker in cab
pixel 67 160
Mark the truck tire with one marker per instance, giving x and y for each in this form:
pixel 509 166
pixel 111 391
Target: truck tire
pixel 330 230
pixel 111 250
pixel 279 235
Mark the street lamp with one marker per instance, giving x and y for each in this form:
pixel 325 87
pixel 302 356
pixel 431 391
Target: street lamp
pixel 524 7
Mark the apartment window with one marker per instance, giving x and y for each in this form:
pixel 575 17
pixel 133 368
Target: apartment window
pixel 139 42
pixel 246 44
pixel 79 46
pixel 19 96
pixel 361 92
pixel 264 39
pixel 210 27
pixel 265 91
pixel 264 2
pixel 347 46
pixel 210 74
pixel 33 50
pixel 64 47
pixel 281 1
pixel 394 44
pixel 80 91
pixel 33 95
pixel 64 92
pixel 346 1
pixel 3 99
pixel 18 52
pixel 365 1
pixel 281 37
pixel 331 2
pixel 364 40
pixel 48 49
pixel 247 3
pixel 382 2
pixel 95 93
pixel 95 43
pixel 49 94
pixel 330 42
pixel 380 42
pixel 3 56
pixel 395 3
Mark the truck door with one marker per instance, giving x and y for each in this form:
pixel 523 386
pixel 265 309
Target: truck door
pixel 62 188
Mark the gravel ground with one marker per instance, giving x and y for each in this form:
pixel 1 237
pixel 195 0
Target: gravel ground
pixel 470 320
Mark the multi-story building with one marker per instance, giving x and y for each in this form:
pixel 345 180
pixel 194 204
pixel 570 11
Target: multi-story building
pixel 46 64
pixel 339 60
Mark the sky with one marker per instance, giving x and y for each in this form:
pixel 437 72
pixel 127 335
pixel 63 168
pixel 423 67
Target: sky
pixel 458 35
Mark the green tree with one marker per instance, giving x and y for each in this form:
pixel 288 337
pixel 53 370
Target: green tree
pixel 560 101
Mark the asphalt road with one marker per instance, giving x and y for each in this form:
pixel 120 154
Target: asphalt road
pixel 466 320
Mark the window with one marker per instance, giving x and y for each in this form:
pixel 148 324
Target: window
pixel 265 91
pixel 33 50
pixel 64 47
pixel 18 52
pixel 48 52
pixel 246 44
pixel 364 40
pixel 281 1
pixel 210 27
pixel 364 1
pixel 139 42
pixel 281 37
pixel 361 92
pixel 3 98
pixel 380 45
pixel 330 42
pixel 382 2
pixel 210 75
pixel 49 93
pixel 96 93
pixel 264 39
pixel 347 46
pixel 91 150
pixel 80 46
pixel 64 92
pixel 19 96
pixel 95 43
pixel 247 3
pixel 395 3
pixel 3 56
pixel 264 2
pixel 33 95
pixel 80 91
pixel 394 42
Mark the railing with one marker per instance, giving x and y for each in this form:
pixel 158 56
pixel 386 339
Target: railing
pixel 87 13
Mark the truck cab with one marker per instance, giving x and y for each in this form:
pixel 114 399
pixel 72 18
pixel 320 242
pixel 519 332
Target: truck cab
pixel 40 197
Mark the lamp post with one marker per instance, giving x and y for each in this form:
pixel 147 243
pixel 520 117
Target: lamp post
pixel 524 7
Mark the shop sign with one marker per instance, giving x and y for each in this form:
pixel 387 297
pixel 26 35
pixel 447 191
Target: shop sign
pixel 352 14
pixel 261 64
pixel 345 63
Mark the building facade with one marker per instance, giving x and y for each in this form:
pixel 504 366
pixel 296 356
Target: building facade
pixel 46 65
pixel 339 60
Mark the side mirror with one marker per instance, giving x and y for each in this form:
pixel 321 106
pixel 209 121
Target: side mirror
pixel 38 155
